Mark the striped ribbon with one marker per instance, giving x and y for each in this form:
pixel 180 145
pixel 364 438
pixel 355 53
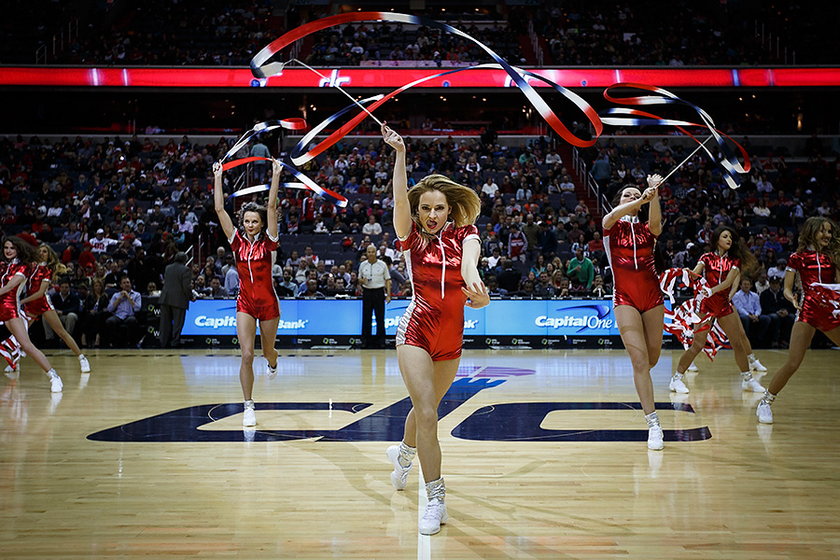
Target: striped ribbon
pixel 685 320
pixel 304 182
pixel 623 116
pixel 262 67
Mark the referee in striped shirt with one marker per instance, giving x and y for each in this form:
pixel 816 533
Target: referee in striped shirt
pixel 376 283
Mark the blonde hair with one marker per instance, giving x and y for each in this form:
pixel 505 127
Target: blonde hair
pixel 808 237
pixel 52 260
pixel 464 204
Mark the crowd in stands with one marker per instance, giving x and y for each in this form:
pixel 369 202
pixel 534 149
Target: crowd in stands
pixel 351 45
pixel 123 207
pixel 686 33
pixel 166 32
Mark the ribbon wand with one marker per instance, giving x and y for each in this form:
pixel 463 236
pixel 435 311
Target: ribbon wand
pixel 339 88
pixel 697 149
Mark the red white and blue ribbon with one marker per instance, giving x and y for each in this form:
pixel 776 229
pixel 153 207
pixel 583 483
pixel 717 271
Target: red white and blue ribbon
pixel 304 182
pixel 623 116
pixel 685 320
pixel 262 67
pixel 828 295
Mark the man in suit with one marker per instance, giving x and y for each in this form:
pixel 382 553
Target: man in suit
pixel 174 300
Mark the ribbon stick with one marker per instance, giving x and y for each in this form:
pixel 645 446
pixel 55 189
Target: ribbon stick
pixel 341 89
pixel 622 116
pixel 697 149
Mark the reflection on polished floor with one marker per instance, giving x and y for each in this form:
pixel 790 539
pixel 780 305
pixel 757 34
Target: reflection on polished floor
pixel 544 457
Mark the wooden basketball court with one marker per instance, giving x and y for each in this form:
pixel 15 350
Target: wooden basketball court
pixel 544 457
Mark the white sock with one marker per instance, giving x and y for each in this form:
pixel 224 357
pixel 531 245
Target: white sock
pixel 249 403
pixel 752 357
pixel 406 455
pixel 746 376
pixel 652 419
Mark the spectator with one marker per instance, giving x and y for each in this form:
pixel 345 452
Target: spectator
pixel 543 288
pixel 67 306
pixel 121 326
pixel 490 188
pixel 231 284
pixel 755 323
pixel 100 244
pixel 778 271
pixel 580 271
pixel 762 283
pixel 260 167
pixel 175 300
pixel 781 312
pixel 372 227
pixel 311 290
pixel 509 278
pixel 517 244
pixel 94 313
pixel 286 287
pixel 528 290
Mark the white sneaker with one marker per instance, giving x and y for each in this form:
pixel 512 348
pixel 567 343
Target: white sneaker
pixel 677 384
pixel 84 365
pixel 656 439
pixel 56 386
pixel 271 372
pixel 399 476
pixel 755 365
pixel 693 368
pixel 765 415
pixel 433 517
pixel 249 417
pixel 751 384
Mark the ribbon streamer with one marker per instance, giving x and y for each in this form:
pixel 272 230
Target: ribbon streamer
pixel 685 320
pixel 262 68
pixel 828 295
pixel 305 182
pixel 633 117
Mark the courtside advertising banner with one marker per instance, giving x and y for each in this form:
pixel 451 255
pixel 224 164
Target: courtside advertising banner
pixel 341 317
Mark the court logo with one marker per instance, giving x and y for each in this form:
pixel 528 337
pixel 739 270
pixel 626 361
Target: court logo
pixel 501 421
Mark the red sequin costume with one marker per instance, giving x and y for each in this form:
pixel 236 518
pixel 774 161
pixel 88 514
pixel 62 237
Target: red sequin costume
pixel 814 268
pixel 256 286
pixel 629 245
pixel 715 270
pixel 37 307
pixel 434 320
pixel 10 301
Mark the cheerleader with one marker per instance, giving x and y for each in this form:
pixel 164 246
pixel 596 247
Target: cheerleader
pixel 721 269
pixel 37 303
pixel 19 257
pixel 434 224
pixel 815 260
pixel 257 301
pixel 637 298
